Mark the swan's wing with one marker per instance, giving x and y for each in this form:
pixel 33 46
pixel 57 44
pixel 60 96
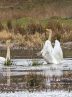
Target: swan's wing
pixel 47 47
pixel 57 51
pixel 47 52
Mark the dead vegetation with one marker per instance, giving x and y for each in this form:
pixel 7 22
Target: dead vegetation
pixel 33 35
pixel 10 9
pixel 4 35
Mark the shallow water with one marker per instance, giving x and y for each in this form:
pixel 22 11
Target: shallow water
pixel 22 76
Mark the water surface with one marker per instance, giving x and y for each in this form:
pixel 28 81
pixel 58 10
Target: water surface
pixel 22 76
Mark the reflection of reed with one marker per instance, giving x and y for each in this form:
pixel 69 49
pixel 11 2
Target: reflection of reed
pixel 8 76
pixel 36 81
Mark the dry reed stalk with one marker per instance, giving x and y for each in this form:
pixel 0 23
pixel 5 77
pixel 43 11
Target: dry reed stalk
pixel 4 35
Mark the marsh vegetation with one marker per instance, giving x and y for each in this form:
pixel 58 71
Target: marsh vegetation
pixel 28 32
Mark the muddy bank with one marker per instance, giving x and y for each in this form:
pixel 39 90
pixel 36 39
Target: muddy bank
pixel 66 45
pixel 23 52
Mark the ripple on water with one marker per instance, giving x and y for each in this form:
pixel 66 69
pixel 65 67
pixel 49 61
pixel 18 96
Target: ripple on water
pixel 24 65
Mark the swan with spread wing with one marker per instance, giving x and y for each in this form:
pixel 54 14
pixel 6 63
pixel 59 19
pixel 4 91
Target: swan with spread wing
pixel 50 54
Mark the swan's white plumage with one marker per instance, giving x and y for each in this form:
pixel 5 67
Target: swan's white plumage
pixel 57 51
pixel 50 54
pixel 2 59
pixel 47 53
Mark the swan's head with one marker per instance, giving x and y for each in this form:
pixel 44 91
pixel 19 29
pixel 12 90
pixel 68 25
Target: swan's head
pixel 49 30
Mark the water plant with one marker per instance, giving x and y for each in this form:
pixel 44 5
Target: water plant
pixel 8 63
pixel 36 63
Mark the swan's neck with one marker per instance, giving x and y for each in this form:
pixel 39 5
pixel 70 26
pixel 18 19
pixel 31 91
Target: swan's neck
pixel 8 53
pixel 50 35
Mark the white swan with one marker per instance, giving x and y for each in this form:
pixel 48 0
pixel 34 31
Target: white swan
pixel 2 59
pixel 47 53
pixel 50 54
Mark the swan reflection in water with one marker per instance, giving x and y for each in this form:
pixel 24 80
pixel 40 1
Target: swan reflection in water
pixel 7 75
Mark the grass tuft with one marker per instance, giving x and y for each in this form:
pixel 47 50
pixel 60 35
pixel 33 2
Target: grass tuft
pixel 35 63
pixel 8 63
